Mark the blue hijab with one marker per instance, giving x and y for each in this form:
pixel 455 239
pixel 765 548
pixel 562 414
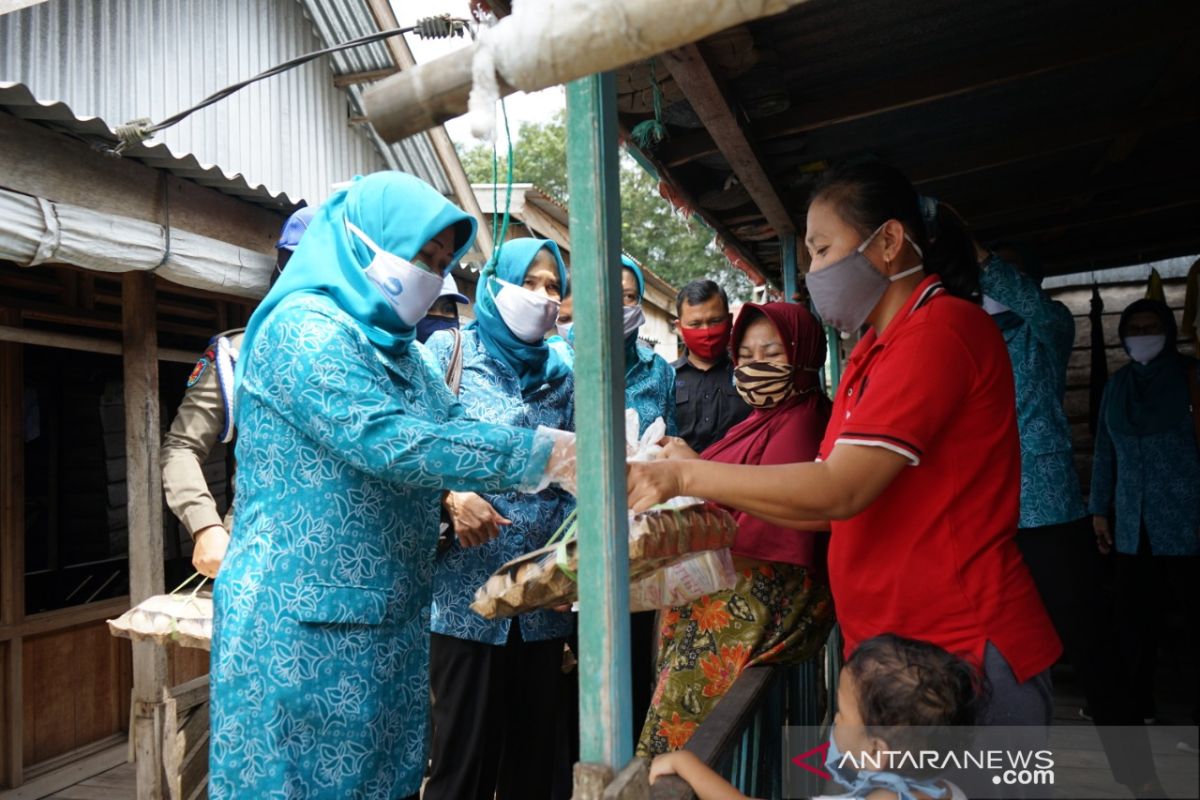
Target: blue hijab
pixel 400 213
pixel 631 341
pixel 1149 398
pixel 534 364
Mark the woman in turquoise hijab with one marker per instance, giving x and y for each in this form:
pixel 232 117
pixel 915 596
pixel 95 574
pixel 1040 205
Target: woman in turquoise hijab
pixel 1146 479
pixel 494 681
pixel 649 390
pixel 347 436
pixel 649 379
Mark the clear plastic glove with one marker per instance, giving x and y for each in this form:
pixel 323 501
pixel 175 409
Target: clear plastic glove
pixel 560 469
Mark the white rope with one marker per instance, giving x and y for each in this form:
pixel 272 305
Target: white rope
pixel 51 237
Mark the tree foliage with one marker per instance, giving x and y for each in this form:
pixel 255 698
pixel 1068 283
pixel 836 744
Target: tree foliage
pixel 652 231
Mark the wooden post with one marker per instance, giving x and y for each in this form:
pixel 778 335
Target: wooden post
pixel 12 554
pixel 144 487
pixel 605 699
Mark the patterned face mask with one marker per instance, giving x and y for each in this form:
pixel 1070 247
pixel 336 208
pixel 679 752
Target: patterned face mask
pixel 764 384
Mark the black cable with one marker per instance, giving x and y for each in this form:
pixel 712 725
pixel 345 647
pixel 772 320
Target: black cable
pixel 439 27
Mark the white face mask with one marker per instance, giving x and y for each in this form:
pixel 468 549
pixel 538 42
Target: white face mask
pixel 410 290
pixel 635 317
pixel 1144 349
pixel 529 315
pixel 993 307
pixel 564 330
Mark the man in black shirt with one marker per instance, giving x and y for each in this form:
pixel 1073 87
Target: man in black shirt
pixel 707 405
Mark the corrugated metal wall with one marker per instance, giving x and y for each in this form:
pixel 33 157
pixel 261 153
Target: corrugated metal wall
pixel 123 59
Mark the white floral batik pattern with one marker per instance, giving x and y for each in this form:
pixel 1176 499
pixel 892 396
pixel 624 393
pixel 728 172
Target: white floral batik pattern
pixel 321 639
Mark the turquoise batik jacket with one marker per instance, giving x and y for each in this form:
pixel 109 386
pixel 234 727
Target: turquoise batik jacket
pixel 320 660
pixel 490 391
pixel 649 387
pixel 1152 479
pixel 1039 333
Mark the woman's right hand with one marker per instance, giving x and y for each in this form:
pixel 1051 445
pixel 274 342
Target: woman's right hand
pixel 475 521
pixel 210 546
pixel 652 482
pixel 1104 540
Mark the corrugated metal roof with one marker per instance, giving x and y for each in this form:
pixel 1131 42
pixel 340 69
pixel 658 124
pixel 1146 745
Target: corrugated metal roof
pixel 16 99
pixel 290 135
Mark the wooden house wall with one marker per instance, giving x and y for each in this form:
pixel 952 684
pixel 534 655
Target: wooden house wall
pixel 1076 402
pixel 69 678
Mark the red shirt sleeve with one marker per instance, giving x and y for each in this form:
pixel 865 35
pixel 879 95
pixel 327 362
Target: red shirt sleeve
pixel 915 383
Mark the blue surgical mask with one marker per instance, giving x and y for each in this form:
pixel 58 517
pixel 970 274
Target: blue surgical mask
pixel 1144 349
pixel 860 783
pixel 633 317
pixel 428 326
pixel 847 291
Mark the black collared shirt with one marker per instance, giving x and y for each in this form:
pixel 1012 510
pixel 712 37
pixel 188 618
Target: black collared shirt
pixel 706 403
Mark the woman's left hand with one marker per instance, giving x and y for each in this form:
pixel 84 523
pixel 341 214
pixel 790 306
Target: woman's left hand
pixel 675 447
pixel 652 482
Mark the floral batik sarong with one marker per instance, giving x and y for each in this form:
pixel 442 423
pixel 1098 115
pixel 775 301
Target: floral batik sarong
pixel 777 613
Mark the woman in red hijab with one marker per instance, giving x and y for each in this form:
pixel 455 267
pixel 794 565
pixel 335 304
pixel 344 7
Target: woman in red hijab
pixel 780 611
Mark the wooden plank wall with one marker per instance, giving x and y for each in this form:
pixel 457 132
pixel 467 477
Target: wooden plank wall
pixel 1116 297
pixel 76 685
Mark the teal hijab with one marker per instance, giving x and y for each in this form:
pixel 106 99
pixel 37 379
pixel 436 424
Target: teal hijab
pixel 400 213
pixel 1149 398
pixel 534 364
pixel 631 341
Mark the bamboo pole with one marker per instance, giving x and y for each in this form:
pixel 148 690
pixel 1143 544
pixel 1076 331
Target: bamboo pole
pixel 552 42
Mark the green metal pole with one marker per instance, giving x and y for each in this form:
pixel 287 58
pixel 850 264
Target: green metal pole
pixel 788 265
pixel 605 699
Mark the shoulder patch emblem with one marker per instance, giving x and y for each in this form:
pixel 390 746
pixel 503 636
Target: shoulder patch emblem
pixel 201 366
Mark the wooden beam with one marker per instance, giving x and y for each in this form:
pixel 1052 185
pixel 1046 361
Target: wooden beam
pixel 707 98
pixel 86 344
pixel 144 486
pixel 402 56
pixel 356 78
pixel 1105 221
pixel 12 553
pixel 1007 198
pixel 758 274
pixel 981 71
pixel 63 618
pixel 1041 141
pixel 39 162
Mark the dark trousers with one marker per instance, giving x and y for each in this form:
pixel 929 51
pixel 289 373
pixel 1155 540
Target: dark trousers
pixel 642 654
pixel 1069 574
pixel 494 724
pixel 1146 584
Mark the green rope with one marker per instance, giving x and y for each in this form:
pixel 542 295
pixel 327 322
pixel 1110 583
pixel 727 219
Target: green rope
pixel 499 237
pixel 651 131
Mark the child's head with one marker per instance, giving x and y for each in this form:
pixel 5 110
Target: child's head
pixel 903 695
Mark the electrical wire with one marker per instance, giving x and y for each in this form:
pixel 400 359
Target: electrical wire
pixel 438 27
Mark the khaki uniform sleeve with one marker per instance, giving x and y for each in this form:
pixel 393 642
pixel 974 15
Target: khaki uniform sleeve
pixel 196 428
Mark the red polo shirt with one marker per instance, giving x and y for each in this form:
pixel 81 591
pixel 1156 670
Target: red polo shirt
pixel 934 557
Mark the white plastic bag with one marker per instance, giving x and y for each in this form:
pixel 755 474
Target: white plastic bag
pixel 645 447
pixel 685 580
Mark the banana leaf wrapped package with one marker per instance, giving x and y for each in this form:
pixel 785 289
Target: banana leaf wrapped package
pixel 545 578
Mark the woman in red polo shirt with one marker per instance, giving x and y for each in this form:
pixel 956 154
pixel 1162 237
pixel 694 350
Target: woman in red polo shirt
pixel 919 473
